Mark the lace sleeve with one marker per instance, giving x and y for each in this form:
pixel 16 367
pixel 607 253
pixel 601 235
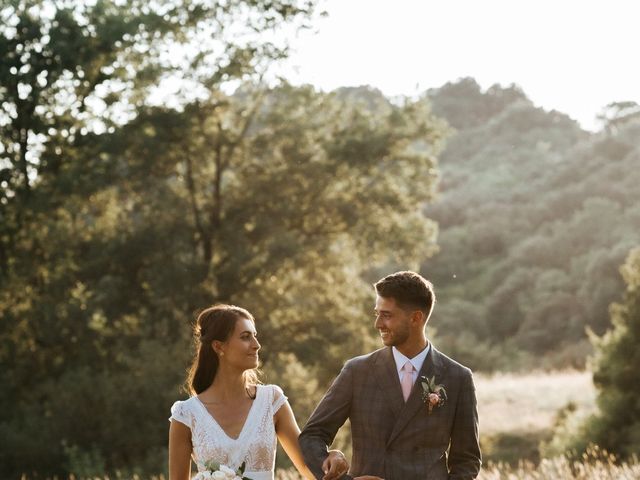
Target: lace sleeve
pixel 180 412
pixel 278 398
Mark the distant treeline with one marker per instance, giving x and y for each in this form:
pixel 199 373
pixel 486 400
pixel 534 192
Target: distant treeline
pixel 535 218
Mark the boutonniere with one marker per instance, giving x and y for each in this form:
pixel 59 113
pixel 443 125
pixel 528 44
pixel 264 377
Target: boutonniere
pixel 432 395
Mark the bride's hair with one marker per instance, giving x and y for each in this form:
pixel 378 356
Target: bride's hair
pixel 214 323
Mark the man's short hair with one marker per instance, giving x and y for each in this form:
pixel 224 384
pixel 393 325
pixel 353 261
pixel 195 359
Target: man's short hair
pixel 410 291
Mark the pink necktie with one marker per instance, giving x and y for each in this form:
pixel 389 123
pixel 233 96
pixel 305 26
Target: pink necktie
pixel 407 380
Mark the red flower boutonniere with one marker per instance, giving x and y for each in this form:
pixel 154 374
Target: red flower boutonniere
pixel 432 395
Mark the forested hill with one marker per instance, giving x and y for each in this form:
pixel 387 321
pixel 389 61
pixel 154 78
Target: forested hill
pixel 535 217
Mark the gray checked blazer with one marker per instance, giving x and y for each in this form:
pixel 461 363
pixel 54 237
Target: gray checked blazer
pixel 392 439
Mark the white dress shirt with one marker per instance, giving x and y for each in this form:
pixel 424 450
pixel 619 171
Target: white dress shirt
pixel 416 361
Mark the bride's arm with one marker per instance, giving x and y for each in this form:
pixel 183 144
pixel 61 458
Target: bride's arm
pixel 288 431
pixel 179 451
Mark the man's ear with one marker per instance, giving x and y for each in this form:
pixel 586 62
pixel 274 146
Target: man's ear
pixel 417 317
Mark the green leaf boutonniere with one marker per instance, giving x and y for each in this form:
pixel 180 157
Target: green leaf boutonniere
pixel 432 395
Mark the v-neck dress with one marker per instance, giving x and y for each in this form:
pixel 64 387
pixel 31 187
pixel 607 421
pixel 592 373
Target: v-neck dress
pixel 256 444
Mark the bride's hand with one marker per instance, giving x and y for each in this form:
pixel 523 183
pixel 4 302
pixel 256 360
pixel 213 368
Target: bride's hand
pixel 335 465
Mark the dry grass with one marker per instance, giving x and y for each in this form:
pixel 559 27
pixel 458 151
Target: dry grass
pixel 510 403
pixel 594 465
pixel 549 469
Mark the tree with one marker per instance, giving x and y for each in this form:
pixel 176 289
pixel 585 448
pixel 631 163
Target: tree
pixel 616 114
pixel 478 106
pixel 72 68
pixel 616 427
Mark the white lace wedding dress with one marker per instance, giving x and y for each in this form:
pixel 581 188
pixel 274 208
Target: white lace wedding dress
pixel 256 444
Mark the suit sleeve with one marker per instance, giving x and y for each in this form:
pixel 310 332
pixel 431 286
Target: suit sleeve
pixel 325 421
pixel 464 452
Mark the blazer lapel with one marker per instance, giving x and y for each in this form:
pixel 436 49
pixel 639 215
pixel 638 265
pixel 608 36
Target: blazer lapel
pixel 387 378
pixel 432 367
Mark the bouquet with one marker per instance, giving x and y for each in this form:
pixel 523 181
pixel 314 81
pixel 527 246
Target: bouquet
pixel 218 471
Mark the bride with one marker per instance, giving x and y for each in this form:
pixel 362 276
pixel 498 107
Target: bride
pixel 230 418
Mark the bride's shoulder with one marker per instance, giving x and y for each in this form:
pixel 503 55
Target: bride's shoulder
pixel 187 403
pixel 275 394
pixel 270 388
pixel 183 411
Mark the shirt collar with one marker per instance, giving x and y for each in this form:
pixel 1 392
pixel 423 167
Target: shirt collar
pixel 416 361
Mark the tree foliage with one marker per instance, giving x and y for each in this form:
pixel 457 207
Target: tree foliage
pixel 616 427
pixel 71 69
pixel 616 114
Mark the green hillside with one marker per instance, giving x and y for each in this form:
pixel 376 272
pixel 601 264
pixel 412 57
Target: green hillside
pixel 535 217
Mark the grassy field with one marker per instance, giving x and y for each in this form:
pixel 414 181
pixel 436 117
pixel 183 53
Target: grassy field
pixel 510 402
pixel 517 412
pixel 595 465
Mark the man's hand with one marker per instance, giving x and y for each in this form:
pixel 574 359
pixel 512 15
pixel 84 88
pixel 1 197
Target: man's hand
pixel 335 465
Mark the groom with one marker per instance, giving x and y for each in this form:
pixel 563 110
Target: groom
pixel 404 426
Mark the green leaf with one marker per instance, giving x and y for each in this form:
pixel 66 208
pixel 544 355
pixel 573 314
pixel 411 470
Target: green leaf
pixel 432 384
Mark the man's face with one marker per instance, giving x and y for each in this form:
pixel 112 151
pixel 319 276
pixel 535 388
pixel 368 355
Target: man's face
pixel 392 322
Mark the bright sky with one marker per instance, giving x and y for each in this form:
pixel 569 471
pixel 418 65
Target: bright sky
pixel 574 56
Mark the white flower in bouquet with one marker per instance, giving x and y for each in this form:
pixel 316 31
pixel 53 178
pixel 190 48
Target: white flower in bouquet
pixel 206 475
pixel 228 473
pixel 218 471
